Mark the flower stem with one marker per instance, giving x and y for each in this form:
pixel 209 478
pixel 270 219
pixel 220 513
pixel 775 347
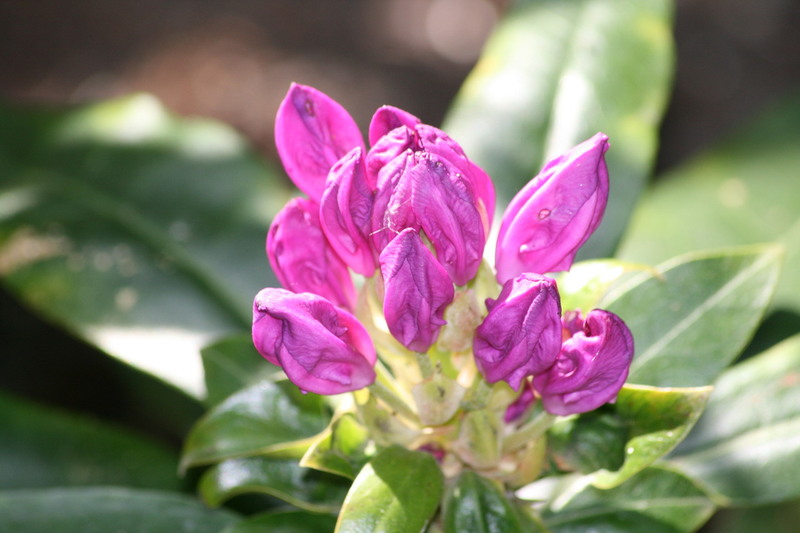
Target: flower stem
pixel 477 396
pixel 390 398
pixel 425 366
pixel 530 431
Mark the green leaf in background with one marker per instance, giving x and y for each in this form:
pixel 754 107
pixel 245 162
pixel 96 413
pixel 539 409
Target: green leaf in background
pixel 696 313
pixel 308 489
pixel 107 509
pixel 44 448
pixel 140 232
pixel 745 191
pixel 342 448
pixel 266 418
pixel 778 518
pixel 586 284
pixel 232 364
pixel 656 500
pixel 552 75
pixel 285 522
pixel 657 420
pixel 477 505
pixel 746 446
pixel 398 490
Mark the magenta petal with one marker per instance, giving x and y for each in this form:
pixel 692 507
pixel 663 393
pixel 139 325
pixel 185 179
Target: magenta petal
pixel 388 148
pixel 521 335
pixel 322 348
pixel 302 258
pixel 555 213
pixel 591 368
pixel 417 291
pixel 312 132
pixel 387 118
pixel 444 205
pixel 345 213
pixel 391 210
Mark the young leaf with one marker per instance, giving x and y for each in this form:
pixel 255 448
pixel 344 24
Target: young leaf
pixel 341 449
pixel 397 490
pixel 750 431
pixel 693 316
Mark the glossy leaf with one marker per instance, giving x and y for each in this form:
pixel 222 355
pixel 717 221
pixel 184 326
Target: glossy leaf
pixel 588 282
pixel 104 509
pixel 656 500
pixel 285 522
pixel 341 449
pixel 693 316
pixel 589 442
pixel 137 231
pixel 266 418
pixel 48 448
pixel 232 364
pixel 478 505
pixel 398 490
pixel 746 447
pixel 282 478
pixel 744 191
pixel 554 74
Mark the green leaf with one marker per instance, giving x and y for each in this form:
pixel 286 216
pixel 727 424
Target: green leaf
pixel 398 490
pixel 341 449
pixel 776 518
pixel 478 505
pixel 589 442
pixel 232 364
pixel 282 478
pixel 657 420
pixel 105 509
pixel 140 232
pixel 656 500
pixel 266 418
pixel 285 522
pixel 746 447
pixel 552 75
pixel 744 191
pixel 693 316
pixel 586 284
pixel 46 448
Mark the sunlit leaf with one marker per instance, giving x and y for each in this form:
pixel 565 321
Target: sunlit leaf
pixel 341 449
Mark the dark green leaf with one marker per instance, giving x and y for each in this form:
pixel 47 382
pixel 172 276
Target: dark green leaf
pixel 341 449
pixel 656 500
pixel 745 191
pixel 398 490
pixel 779 518
pixel 553 74
pixel 693 316
pixel 746 447
pixel 266 418
pixel 107 509
pixel 42 448
pixel 232 364
pixel 282 478
pixel 285 522
pixel 592 441
pixel 139 232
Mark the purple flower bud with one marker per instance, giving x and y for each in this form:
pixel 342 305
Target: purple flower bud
pixel 417 291
pixel 391 211
pixel 444 204
pixel 519 406
pixel 555 213
pixel 388 118
pixel 345 212
pixel 591 368
pixel 322 348
pixel 303 259
pixel 312 132
pixel 394 144
pixel 521 335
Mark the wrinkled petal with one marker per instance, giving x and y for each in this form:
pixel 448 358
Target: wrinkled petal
pixel 387 118
pixel 444 205
pixel 555 213
pixel 591 368
pixel 321 348
pixel 523 402
pixel 312 132
pixel 521 335
pixel 302 258
pixel 417 291
pixel 388 148
pixel 345 213
pixel 391 211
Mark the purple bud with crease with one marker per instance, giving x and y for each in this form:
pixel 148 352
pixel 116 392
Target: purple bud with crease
pixel 444 204
pixel 417 291
pixel 391 210
pixel 321 348
pixel 312 132
pixel 387 118
pixel 345 212
pixel 555 213
pixel 388 148
pixel 303 259
pixel 519 406
pixel 521 335
pixel 591 367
